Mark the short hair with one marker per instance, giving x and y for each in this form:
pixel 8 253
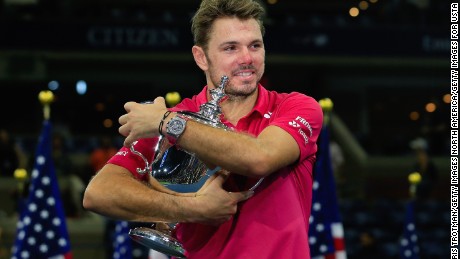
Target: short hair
pixel 210 10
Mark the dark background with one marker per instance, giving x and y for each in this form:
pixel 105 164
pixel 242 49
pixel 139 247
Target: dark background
pixel 378 68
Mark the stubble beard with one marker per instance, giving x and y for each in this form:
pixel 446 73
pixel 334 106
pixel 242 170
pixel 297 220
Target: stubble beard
pixel 232 91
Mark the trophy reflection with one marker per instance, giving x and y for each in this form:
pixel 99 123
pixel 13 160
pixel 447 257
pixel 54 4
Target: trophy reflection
pixel 180 171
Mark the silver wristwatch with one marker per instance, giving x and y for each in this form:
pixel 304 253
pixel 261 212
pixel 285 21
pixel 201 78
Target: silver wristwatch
pixel 174 128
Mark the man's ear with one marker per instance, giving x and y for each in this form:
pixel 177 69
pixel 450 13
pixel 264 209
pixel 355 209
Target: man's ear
pixel 200 57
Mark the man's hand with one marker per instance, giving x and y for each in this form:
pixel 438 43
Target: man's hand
pixel 141 120
pixel 218 204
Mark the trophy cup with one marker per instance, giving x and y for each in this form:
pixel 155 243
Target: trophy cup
pixel 180 171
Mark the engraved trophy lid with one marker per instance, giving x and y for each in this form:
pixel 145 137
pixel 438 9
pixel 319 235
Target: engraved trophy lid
pixel 210 112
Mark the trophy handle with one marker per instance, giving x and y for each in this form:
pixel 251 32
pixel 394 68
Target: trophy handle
pixel 256 185
pixel 147 164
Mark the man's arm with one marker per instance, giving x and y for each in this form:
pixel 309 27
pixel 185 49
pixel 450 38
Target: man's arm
pixel 114 192
pixel 241 153
pixel 238 153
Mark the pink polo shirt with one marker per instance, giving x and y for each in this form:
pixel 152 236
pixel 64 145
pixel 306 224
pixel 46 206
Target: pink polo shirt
pixel 274 222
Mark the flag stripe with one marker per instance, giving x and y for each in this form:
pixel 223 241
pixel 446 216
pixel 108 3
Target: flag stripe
pixel 339 244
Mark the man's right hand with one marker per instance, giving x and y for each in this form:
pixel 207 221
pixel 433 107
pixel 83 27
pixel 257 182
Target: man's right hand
pixel 217 204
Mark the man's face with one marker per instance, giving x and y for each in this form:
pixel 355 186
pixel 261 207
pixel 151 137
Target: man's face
pixel 236 49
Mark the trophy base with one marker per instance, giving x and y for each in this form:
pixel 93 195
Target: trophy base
pixel 157 241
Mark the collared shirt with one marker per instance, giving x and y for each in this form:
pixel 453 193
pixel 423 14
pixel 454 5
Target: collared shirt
pixel 274 222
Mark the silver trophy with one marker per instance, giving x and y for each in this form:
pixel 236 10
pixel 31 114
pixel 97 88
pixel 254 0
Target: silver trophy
pixel 180 171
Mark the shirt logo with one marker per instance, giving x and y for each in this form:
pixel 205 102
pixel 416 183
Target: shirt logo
pixel 268 115
pixel 294 124
pixel 121 153
pixel 297 124
pixel 305 137
pixel 305 122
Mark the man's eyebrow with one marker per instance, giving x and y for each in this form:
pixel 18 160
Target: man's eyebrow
pixel 228 43
pixel 257 41
pixel 236 42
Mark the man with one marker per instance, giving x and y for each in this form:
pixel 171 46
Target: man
pixel 273 137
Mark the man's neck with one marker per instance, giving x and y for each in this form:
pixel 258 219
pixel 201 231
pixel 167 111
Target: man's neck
pixel 236 107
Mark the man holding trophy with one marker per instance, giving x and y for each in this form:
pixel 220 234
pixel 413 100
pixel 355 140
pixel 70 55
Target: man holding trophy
pixel 265 135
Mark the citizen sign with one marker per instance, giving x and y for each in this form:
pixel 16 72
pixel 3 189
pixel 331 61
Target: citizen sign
pixel 132 37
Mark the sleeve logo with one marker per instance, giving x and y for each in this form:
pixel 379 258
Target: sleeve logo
pixel 294 124
pixel 297 124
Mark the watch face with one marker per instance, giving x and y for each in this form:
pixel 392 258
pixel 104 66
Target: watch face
pixel 176 126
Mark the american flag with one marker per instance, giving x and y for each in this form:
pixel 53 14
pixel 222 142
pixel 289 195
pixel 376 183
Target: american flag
pixel 41 230
pixel 122 248
pixel 408 244
pixel 326 235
